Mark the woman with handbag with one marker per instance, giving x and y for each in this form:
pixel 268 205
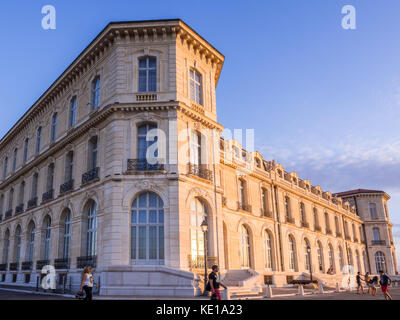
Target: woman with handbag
pixel 87 283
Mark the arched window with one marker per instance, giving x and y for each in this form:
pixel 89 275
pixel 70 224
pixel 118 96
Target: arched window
pixel 292 254
pixel 358 261
pixel 268 251
pixel 331 257
pixel 380 262
pixel 50 177
pixel 95 92
pixel 11 199
pixel 47 238
pixel 6 247
pixel 54 121
pixel 34 191
pixel 15 159
pixel 195 86
pixel 242 192
pixel 91 247
pixel 31 242
pixel 244 247
pixel 72 112
pixel 198 213
pixel 66 236
pixel 38 139
pixel 341 258
pixel 147 229
pixel 144 144
pixel 18 239
pixel 21 193
pixel 147 74
pixel 307 255
pixel 320 254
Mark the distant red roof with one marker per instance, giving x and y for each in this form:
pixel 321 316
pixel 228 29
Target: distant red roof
pixel 357 191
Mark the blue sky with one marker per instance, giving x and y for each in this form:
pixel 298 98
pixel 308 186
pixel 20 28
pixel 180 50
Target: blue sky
pixel 323 101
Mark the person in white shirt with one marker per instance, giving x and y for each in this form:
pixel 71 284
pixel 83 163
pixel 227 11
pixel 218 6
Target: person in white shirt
pixel 87 283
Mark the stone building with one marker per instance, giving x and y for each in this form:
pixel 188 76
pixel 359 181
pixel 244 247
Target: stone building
pixel 121 160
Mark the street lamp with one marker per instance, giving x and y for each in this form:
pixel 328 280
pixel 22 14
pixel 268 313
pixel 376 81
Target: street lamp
pixel 309 261
pixel 204 228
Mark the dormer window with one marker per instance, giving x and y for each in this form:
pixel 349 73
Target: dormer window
pixel 195 87
pixel 147 74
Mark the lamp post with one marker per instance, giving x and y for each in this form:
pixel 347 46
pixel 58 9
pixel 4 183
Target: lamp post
pixel 309 261
pixel 204 228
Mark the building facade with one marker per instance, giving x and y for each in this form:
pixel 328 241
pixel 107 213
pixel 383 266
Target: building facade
pixel 121 160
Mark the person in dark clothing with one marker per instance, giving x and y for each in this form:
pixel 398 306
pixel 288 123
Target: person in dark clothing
pixel 213 280
pixel 359 285
pixel 385 282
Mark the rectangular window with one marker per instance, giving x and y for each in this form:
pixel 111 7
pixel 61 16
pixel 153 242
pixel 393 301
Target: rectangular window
pixel 195 87
pixel 54 127
pixel 26 145
pixel 372 210
pixel 147 74
pixel 72 112
pixel 38 139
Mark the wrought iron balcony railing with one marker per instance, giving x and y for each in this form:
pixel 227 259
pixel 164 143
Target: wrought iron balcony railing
pixel 3 267
pixel 14 266
pixel 41 263
pixel 62 263
pixel 378 242
pixel 48 195
pixel 144 165
pixel 347 237
pixel 86 261
pixel 328 231
pixel 200 171
pixel 26 265
pixel 67 186
pixel 32 203
pixel 8 214
pixel 338 234
pixel 197 262
pixel 243 206
pixel 90 176
pixel 19 208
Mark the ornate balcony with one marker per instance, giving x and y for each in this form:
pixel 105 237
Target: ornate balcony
pixel 26 265
pixel 32 203
pixel 47 196
pixel 200 171
pixel 144 165
pixel 86 261
pixel 67 186
pixel 8 214
pixel 338 234
pixel 197 262
pixel 290 220
pixel 14 266
pixel 378 242
pixel 328 231
pixel 3 267
pixel 317 228
pixel 62 263
pixel 41 263
pixel 146 97
pixel 19 208
pixel 347 237
pixel 243 206
pixel 91 175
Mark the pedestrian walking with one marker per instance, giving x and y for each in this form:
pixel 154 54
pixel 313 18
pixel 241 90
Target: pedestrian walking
pixel 359 285
pixel 214 284
pixel 366 280
pixel 385 282
pixel 87 283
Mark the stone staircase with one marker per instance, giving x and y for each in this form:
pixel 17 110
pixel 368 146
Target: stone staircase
pixel 328 281
pixel 242 283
